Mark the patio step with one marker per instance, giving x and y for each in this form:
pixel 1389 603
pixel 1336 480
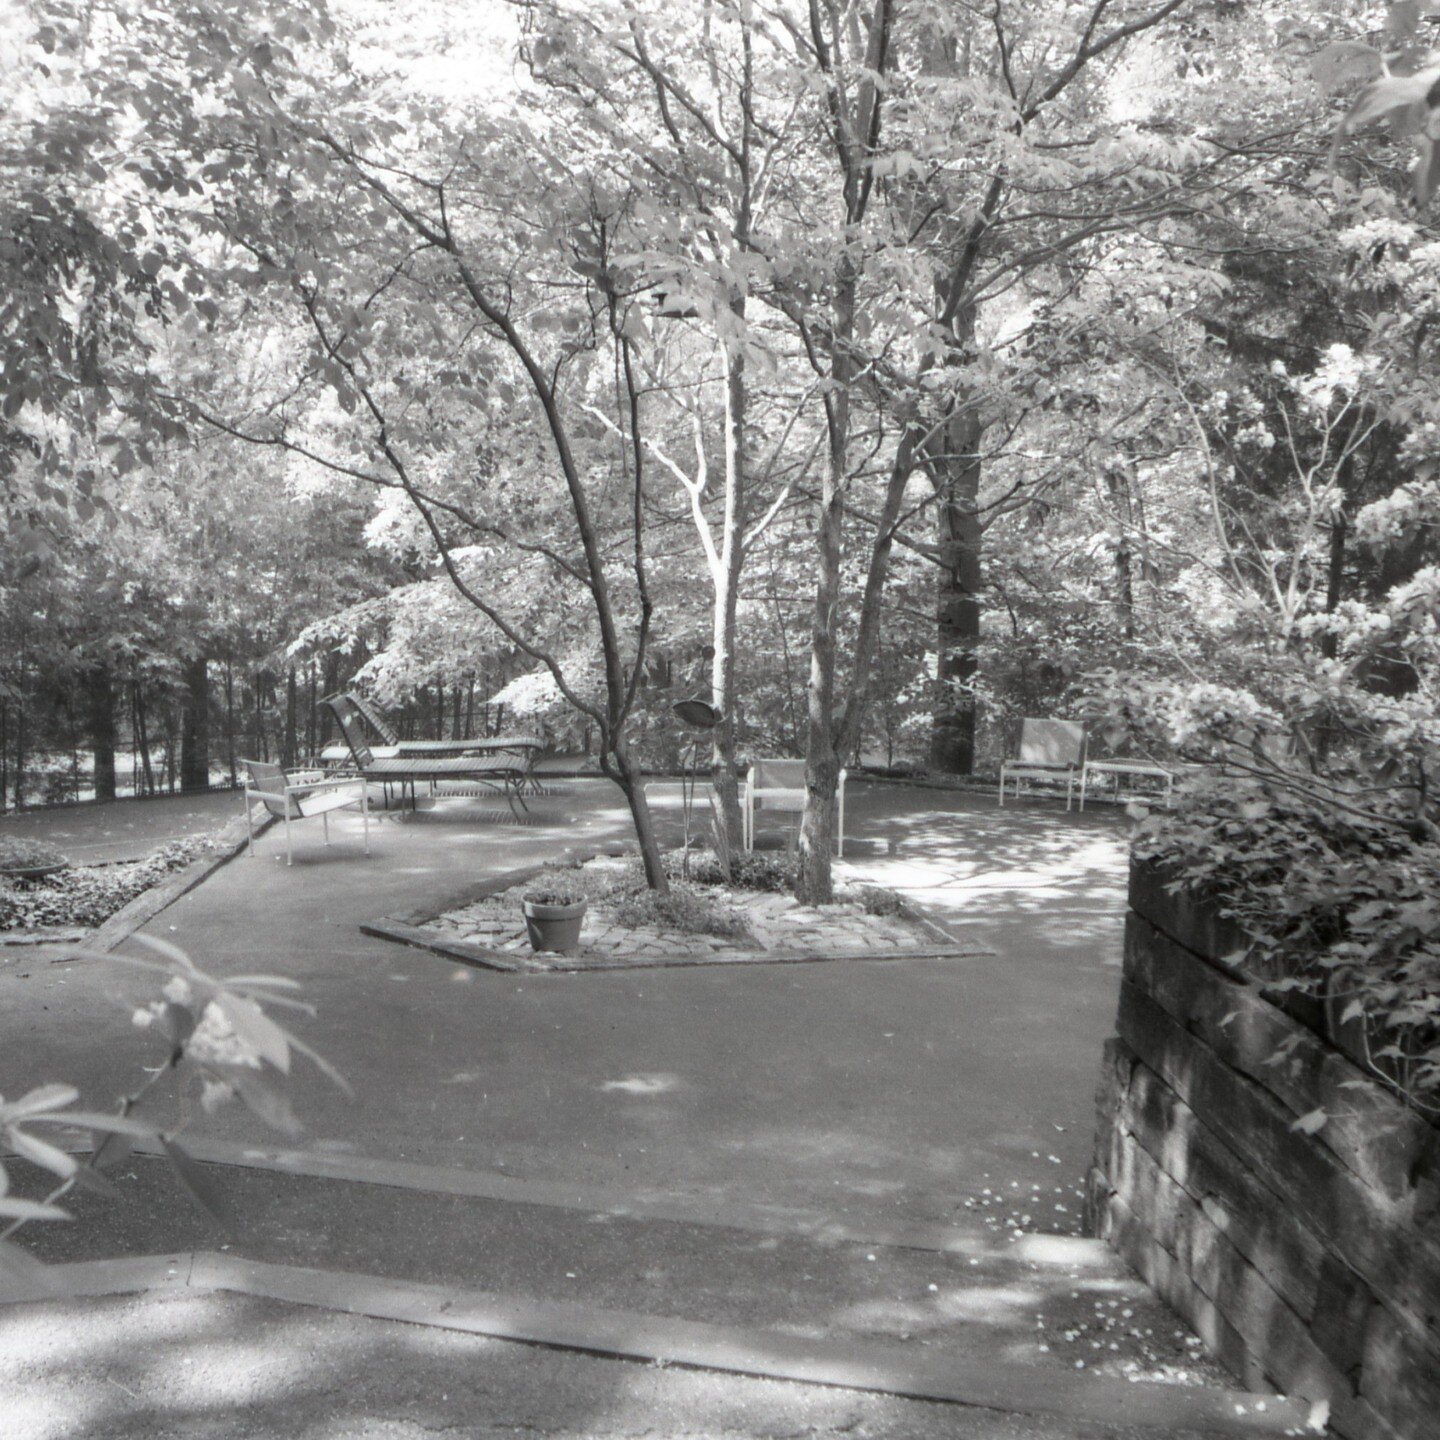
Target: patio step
pixel 1055 1328
pixel 963 1378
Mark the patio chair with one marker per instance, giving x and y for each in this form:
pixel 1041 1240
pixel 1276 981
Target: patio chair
pixel 525 748
pixel 1049 750
pixel 780 785
pixel 495 768
pixel 301 795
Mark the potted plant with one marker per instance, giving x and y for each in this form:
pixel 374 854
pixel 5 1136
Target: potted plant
pixel 554 917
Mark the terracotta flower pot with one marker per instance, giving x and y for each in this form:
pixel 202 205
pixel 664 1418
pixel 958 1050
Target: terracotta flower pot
pixel 554 928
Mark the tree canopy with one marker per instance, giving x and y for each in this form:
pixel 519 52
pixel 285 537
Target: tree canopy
pixel 879 370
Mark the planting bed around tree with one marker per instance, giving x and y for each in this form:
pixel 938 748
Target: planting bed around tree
pixel 702 920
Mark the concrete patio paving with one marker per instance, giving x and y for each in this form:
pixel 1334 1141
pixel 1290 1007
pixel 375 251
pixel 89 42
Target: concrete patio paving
pixel 888 1098
pixel 895 1092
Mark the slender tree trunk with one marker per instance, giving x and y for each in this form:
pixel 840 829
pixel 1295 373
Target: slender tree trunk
pixel 142 738
pixel 312 715
pixel 100 705
pixel 74 734
pixel 731 559
pixel 616 763
pixel 292 705
pixel 4 756
pixel 195 726
pixel 1117 482
pixel 230 719
pixel 857 131
pixel 19 788
pixel 172 745
pixel 257 695
pixel 813 883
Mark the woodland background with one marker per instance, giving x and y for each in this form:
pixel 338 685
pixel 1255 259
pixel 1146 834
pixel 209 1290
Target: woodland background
pixel 881 372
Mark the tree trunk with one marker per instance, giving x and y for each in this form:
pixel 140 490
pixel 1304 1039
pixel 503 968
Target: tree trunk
pixel 813 883
pixel 100 707
pixel 257 694
pixel 19 789
pixel 312 714
pixel 195 726
pixel 172 745
pixel 292 706
pixel 142 775
pixel 616 763
pixel 857 132
pixel 230 720
pixel 956 475
pixel 726 576
pixel 1117 482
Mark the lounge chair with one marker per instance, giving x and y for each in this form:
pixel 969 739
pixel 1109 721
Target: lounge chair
pixel 301 795
pixel 495 769
pixel 780 785
pixel 525 748
pixel 1049 750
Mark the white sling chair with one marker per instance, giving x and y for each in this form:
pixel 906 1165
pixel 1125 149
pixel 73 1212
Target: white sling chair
pixel 1049 750
pixel 301 795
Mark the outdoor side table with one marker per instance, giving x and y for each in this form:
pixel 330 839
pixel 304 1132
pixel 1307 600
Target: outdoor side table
pixel 1119 769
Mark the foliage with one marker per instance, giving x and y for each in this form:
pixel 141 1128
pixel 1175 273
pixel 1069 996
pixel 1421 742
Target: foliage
pixel 1340 905
pixel 87 895
pixel 20 854
pixel 555 895
pixel 876 899
pixel 749 870
pixel 219 1044
pixel 690 909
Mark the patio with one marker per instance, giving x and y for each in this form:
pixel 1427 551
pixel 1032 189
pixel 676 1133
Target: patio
pixel 926 1122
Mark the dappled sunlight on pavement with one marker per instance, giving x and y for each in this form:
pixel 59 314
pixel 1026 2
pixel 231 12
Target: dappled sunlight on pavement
pixel 948 1096
pixel 1061 874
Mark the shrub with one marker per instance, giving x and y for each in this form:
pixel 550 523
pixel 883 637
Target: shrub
pixel 685 909
pixel 21 854
pixel 749 870
pixel 876 900
pixel 1342 906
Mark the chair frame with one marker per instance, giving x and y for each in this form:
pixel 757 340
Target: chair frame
pixel 299 786
pixel 754 793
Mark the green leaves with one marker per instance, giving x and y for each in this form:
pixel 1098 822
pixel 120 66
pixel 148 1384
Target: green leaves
pixel 219 1038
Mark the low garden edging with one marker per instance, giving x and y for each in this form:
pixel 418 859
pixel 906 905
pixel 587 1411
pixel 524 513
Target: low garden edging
pixel 1281 1199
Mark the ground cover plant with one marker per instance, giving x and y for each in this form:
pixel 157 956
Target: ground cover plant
pixel 1341 906
pixel 702 899
pixel 18 856
pixel 84 896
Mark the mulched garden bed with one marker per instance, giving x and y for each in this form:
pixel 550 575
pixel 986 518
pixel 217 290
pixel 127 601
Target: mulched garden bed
pixel 82 897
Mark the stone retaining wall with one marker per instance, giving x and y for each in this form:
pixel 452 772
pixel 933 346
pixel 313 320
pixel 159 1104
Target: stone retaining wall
pixel 1280 1199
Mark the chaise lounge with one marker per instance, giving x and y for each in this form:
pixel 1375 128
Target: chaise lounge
pixel 522 749
pixel 494 769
